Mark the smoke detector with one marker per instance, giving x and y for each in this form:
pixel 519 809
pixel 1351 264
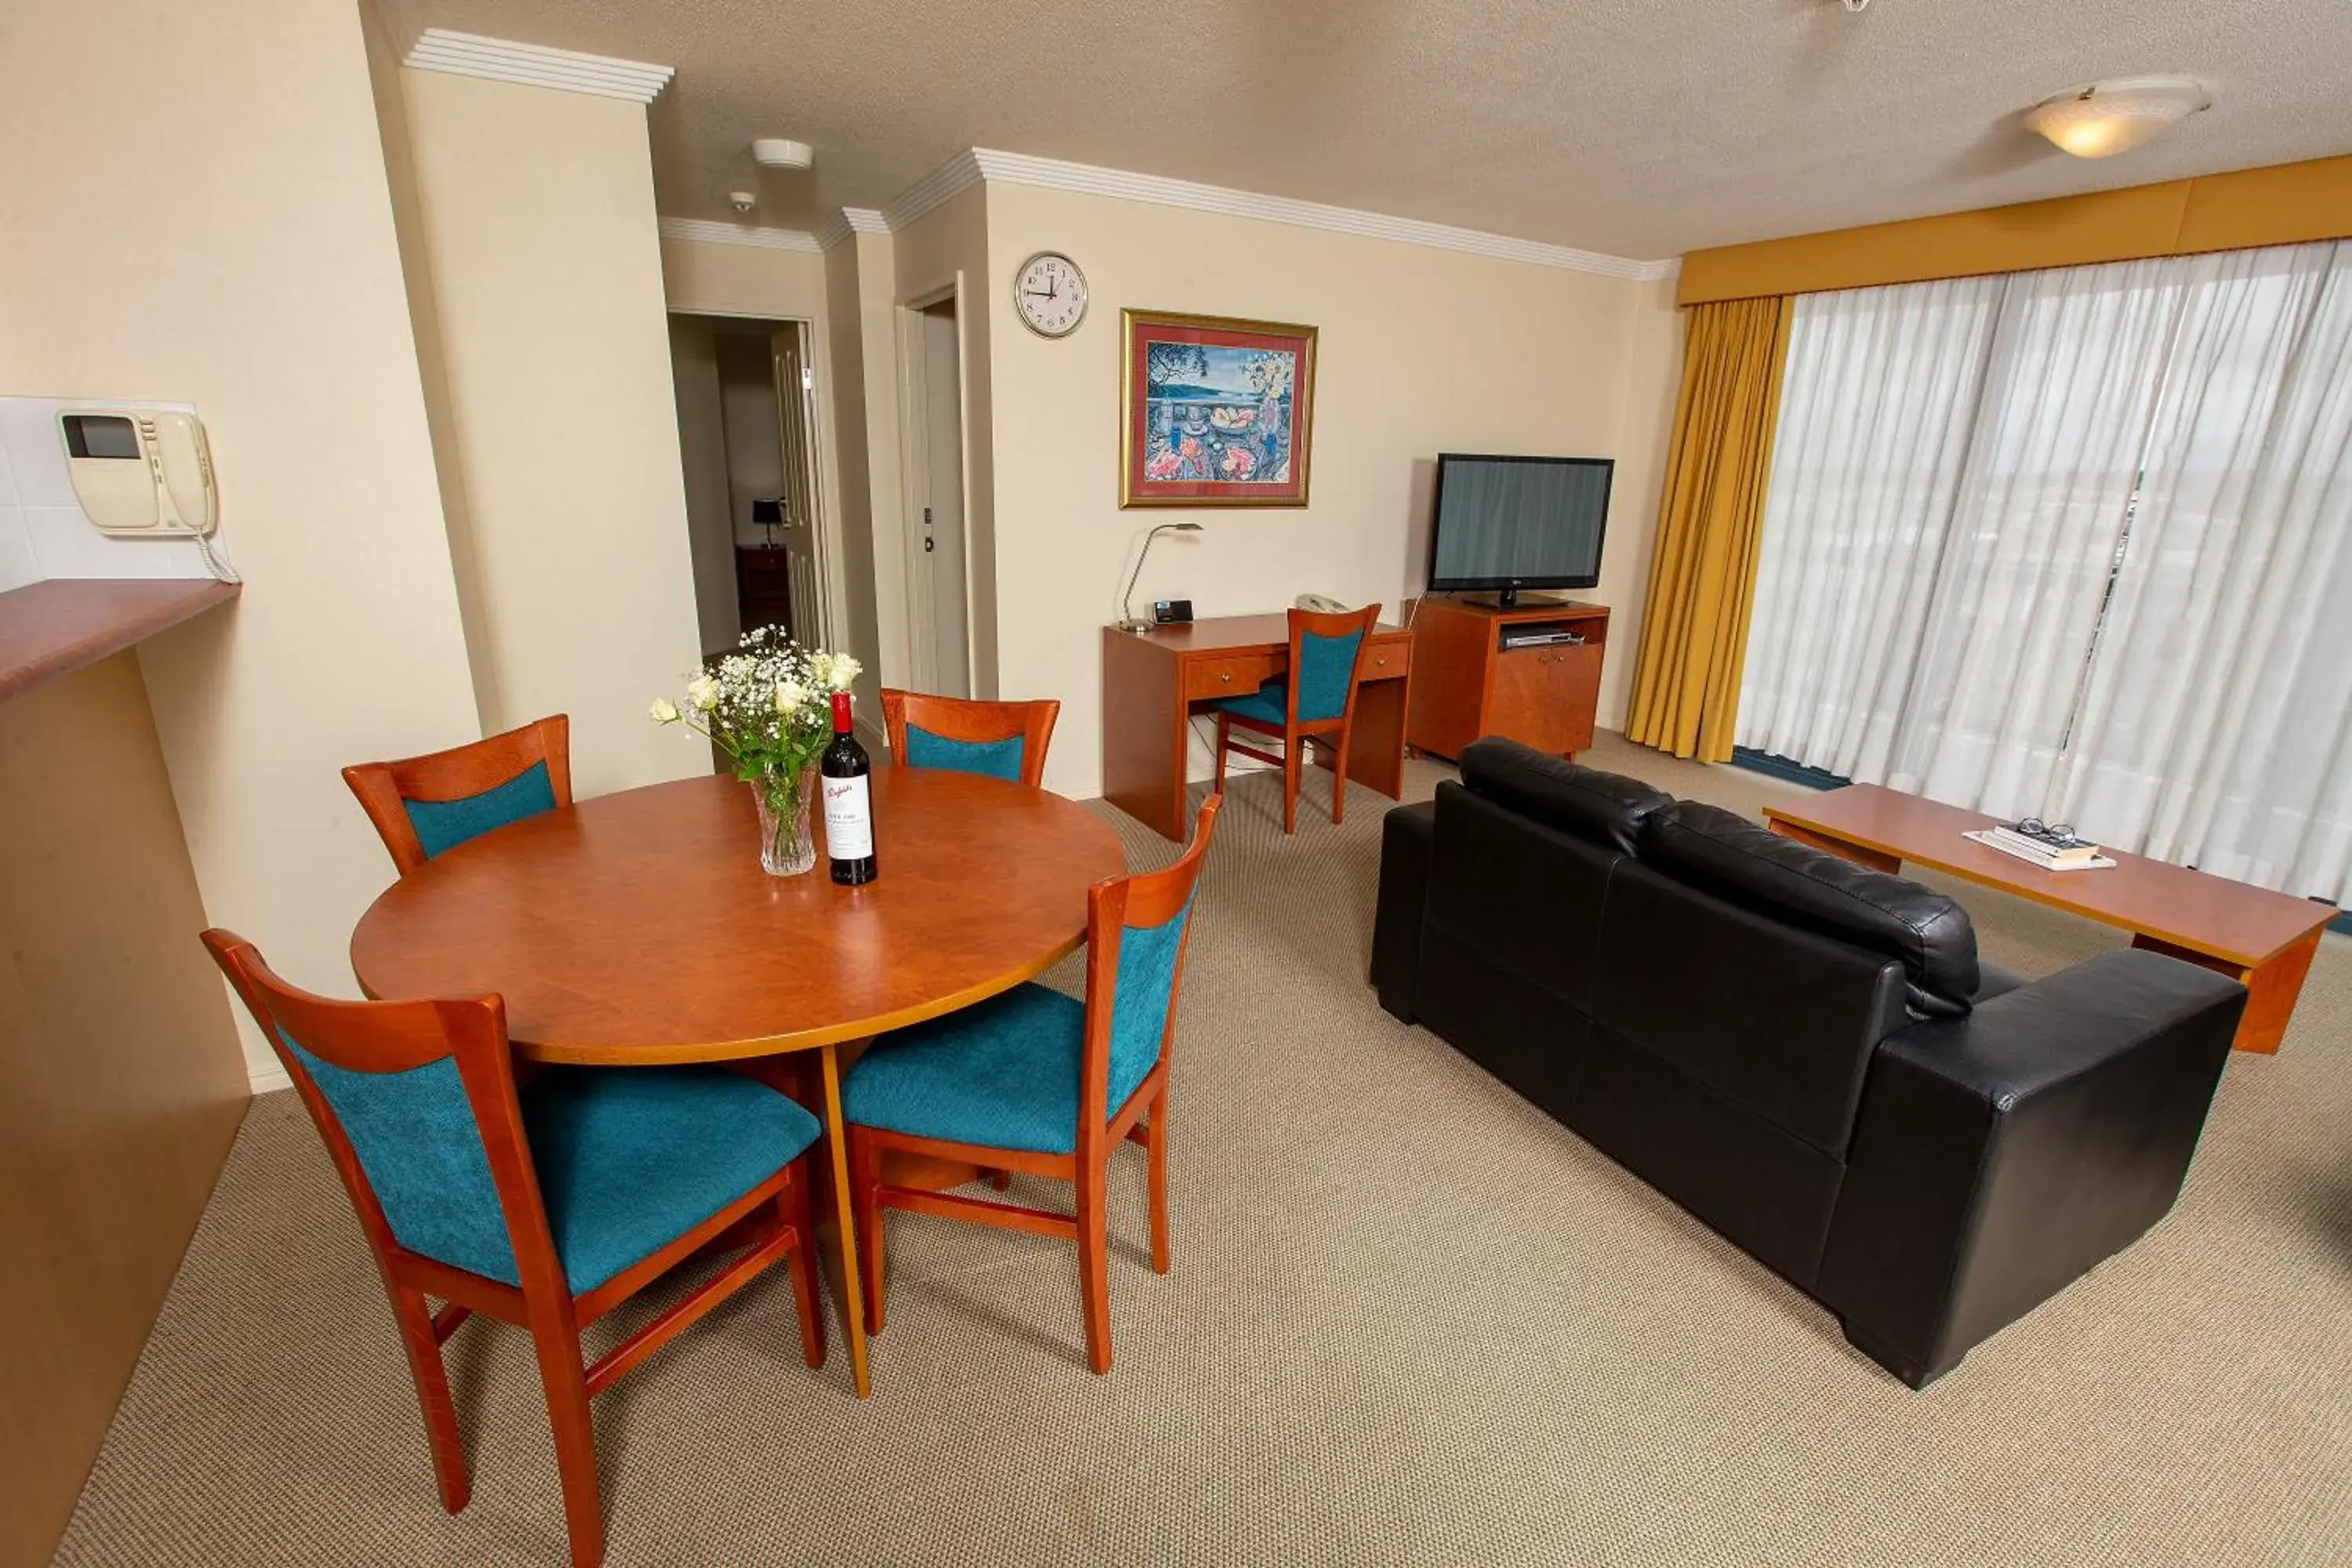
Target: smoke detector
pixel 741 201
pixel 776 153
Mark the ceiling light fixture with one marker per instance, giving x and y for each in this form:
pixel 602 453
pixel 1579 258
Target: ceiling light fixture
pixel 2110 117
pixel 776 152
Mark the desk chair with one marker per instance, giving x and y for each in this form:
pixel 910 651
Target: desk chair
pixel 1037 1082
pixel 1317 699
pixel 1002 740
pixel 428 805
pixel 548 1207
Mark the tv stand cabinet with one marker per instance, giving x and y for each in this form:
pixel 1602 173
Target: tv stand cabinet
pixel 1467 683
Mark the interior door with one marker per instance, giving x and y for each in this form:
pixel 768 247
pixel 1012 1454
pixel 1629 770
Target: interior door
pixel 796 397
pixel 941 524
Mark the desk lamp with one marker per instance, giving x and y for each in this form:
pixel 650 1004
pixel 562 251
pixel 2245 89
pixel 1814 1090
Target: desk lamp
pixel 767 512
pixel 1127 600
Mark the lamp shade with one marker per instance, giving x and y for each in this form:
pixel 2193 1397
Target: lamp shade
pixel 768 508
pixel 2110 117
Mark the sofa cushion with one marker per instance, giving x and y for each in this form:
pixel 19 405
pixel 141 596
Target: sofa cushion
pixel 1606 808
pixel 1750 865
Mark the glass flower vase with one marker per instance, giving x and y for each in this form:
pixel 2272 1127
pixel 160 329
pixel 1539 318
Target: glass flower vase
pixel 787 838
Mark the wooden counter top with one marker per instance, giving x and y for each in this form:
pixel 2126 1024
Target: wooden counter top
pixel 53 628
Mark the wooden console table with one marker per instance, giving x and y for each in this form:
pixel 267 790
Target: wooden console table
pixel 1469 685
pixel 2249 933
pixel 1151 681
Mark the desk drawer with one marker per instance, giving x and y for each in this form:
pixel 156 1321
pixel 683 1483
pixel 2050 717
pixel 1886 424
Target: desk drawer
pixel 1390 658
pixel 1229 675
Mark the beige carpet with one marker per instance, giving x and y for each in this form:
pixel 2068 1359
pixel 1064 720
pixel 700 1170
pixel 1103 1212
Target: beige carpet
pixel 1412 1320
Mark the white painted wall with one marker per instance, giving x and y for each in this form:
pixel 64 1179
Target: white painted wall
pixel 538 224
pixel 1420 351
pixel 261 282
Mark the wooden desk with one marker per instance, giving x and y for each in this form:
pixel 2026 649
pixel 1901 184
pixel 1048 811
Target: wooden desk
pixel 2249 933
pixel 637 929
pixel 1152 681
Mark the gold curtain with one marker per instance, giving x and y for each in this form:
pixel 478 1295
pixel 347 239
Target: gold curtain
pixel 1710 526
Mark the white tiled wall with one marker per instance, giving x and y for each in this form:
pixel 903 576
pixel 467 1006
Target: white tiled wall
pixel 43 533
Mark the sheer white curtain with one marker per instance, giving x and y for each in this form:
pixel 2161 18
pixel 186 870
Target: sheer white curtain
pixel 2077 543
pixel 1876 406
pixel 2042 506
pixel 2216 728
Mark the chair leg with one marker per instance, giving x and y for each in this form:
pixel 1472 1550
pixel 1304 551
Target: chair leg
pixel 1340 779
pixel 1000 1179
pixel 415 1321
pixel 865 1195
pixel 1094 1262
pixel 793 1204
pixel 1224 734
pixel 1290 747
pixel 556 1337
pixel 1156 1150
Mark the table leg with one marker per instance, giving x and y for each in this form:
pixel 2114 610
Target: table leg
pixel 2271 987
pixel 1877 860
pixel 853 1306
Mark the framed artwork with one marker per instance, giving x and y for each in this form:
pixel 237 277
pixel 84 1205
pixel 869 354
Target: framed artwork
pixel 1215 412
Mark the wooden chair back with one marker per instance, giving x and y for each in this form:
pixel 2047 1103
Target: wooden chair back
pixel 375 1038
pixel 965 722
pixel 1131 917
pixel 1315 659
pixel 387 790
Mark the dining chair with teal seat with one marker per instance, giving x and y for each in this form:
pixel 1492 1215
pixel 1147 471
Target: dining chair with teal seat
pixel 428 805
pixel 1314 700
pixel 1003 739
pixel 546 1207
pixel 1039 1082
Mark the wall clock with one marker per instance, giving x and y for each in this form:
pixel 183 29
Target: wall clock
pixel 1051 294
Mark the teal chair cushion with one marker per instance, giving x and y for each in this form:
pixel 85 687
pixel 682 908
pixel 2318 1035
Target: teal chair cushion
pixel 1002 1073
pixel 1005 1073
pixel 442 825
pixel 629 1159
pixel 995 759
pixel 1326 665
pixel 1269 704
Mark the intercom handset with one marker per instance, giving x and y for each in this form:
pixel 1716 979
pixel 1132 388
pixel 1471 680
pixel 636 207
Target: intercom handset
pixel 140 473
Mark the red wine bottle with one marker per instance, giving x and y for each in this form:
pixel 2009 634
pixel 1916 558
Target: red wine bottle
pixel 848 802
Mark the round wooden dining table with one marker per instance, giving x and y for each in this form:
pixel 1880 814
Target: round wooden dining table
pixel 637 929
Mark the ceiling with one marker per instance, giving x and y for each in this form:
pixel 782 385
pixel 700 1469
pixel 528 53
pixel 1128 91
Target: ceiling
pixel 1635 129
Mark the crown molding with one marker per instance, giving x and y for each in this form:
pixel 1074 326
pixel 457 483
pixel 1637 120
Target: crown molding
pixel 848 221
pixel 1052 173
pixel 738 234
pixel 941 185
pixel 536 64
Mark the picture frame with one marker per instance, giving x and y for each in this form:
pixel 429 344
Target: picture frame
pixel 1215 411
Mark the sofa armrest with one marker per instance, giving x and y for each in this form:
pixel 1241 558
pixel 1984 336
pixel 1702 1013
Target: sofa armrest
pixel 2001 1155
pixel 1408 838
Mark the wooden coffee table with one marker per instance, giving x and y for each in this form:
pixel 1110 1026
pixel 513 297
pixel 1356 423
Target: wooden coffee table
pixel 2249 933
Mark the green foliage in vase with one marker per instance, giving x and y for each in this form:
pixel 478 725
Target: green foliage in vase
pixel 769 706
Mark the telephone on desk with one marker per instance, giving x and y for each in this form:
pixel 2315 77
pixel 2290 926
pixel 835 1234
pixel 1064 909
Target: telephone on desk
pixel 1319 605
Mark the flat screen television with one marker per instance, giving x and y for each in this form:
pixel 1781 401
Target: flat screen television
pixel 1508 523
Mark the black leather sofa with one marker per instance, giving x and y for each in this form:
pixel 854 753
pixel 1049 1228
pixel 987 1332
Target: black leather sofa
pixel 1802 1052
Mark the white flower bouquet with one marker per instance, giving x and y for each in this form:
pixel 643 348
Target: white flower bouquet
pixel 769 707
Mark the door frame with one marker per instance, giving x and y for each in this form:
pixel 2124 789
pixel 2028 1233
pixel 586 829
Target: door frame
pixel 914 475
pixel 832 589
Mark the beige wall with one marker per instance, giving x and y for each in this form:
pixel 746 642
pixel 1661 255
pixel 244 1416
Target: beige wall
pixel 703 453
pixel 261 279
pixel 538 225
pixel 120 1081
pixel 1654 376
pixel 766 283
pixel 853 500
pixel 877 268
pixel 954 246
pixel 1420 351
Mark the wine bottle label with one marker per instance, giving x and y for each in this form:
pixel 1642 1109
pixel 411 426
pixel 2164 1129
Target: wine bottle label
pixel 848 819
